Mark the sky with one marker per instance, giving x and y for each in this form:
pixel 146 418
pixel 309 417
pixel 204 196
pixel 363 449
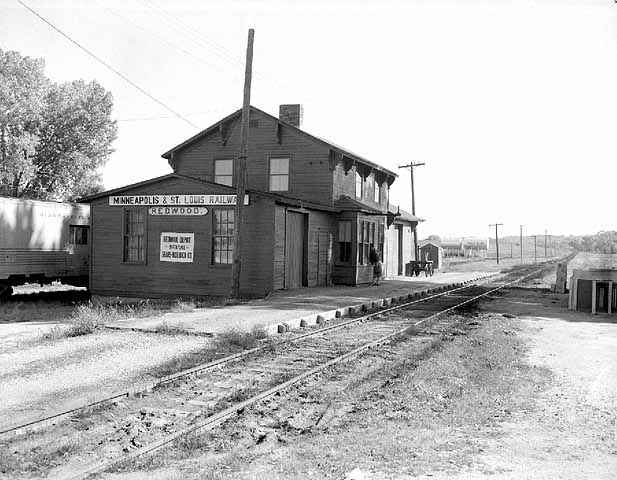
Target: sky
pixel 511 105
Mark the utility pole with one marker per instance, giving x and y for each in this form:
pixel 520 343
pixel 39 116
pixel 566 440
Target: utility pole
pixel 496 238
pixel 545 237
pixel 510 249
pixel 241 170
pixel 411 166
pixel 535 250
pixel 521 237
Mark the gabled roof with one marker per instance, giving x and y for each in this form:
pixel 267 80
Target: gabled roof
pixel 150 181
pixel 327 143
pixel 275 196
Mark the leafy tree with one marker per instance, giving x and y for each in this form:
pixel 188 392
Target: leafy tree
pixel 61 138
pixel 23 87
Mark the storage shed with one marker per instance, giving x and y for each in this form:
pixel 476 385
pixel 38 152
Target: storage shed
pixel 593 291
pixel 431 251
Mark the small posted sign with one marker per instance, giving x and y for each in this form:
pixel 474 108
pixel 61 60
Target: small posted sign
pixel 177 247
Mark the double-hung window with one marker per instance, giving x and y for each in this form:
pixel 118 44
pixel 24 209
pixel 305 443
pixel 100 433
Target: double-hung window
pixel 369 191
pixel 134 249
pixel 222 236
pixel 359 186
pixel 279 174
pixel 224 172
pixel 377 192
pixel 344 240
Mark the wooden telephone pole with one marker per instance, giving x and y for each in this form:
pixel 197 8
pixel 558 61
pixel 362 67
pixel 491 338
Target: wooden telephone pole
pixel 521 238
pixel 496 238
pixel 411 166
pixel 241 170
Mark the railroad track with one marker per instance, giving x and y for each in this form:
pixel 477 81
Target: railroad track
pixel 124 428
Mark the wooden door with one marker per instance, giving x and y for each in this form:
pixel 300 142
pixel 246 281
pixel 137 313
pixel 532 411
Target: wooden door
pixel 294 250
pixel 393 252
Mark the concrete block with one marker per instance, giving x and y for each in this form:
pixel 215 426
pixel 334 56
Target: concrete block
pixel 320 319
pixel 339 313
pixel 282 328
pixel 386 302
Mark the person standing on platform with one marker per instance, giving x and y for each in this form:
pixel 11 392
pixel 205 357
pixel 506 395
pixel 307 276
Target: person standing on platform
pixel 376 262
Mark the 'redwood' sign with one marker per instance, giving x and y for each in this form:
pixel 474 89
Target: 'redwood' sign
pixel 166 200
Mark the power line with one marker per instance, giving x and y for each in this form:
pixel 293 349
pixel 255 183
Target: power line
pixel 164 40
pixel 122 76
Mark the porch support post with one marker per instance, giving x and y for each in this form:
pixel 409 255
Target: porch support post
pixel 593 296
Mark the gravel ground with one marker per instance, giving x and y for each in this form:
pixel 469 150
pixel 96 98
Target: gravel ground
pixel 39 376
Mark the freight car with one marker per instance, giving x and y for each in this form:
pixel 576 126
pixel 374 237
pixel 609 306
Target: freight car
pixel 43 241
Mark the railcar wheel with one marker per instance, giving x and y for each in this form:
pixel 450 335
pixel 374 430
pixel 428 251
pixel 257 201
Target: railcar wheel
pixel 5 291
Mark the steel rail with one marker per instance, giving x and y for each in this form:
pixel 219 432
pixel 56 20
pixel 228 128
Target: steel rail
pixel 148 386
pixel 217 418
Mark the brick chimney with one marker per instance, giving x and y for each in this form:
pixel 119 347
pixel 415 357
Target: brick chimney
pixel 292 114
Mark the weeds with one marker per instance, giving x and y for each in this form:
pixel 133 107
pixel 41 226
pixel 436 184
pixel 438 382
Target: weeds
pixel 227 343
pixel 170 329
pixel 235 339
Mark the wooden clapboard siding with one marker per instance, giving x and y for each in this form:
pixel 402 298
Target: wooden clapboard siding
pixel 310 177
pixel 111 276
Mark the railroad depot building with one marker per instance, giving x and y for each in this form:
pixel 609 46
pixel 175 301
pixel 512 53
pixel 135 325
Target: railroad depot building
pixel 313 211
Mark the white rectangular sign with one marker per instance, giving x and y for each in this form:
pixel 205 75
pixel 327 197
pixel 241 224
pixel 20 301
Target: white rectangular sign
pixel 177 247
pixel 180 210
pixel 173 200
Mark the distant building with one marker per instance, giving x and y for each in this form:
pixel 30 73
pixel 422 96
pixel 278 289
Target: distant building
pixel 465 246
pixel 431 250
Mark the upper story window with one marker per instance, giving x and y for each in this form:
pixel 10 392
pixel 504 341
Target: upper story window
pixel 134 250
pixel 279 174
pixel 369 191
pixel 78 234
pixel 377 193
pixel 224 172
pixel 359 186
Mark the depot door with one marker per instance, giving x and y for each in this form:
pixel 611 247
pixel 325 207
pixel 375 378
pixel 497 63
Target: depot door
pixel 295 249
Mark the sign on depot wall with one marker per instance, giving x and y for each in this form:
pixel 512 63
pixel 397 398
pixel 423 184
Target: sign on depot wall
pixel 177 247
pixel 182 211
pixel 173 200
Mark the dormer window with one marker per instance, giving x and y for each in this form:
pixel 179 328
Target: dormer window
pixel 377 192
pixel 359 186
pixel 279 174
pixel 224 172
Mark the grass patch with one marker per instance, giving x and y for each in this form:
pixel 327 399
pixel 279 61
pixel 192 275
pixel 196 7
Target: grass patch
pixel 38 459
pixel 227 343
pixel 170 329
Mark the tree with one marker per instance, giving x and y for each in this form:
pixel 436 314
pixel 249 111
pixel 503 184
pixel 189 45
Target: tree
pixel 23 87
pixel 75 136
pixel 61 136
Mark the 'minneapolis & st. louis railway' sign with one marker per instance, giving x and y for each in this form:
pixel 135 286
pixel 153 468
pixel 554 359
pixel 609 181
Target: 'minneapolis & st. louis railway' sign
pixel 168 200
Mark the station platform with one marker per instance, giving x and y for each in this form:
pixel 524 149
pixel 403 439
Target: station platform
pixel 287 309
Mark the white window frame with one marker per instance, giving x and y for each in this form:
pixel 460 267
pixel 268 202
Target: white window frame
pixel 272 176
pixel 217 176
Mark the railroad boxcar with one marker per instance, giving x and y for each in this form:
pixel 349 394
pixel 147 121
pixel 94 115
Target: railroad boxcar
pixel 42 241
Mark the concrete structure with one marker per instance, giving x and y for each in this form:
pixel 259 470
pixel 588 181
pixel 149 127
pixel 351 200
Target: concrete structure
pixel 431 251
pixel 43 241
pixel 593 291
pixel 314 211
